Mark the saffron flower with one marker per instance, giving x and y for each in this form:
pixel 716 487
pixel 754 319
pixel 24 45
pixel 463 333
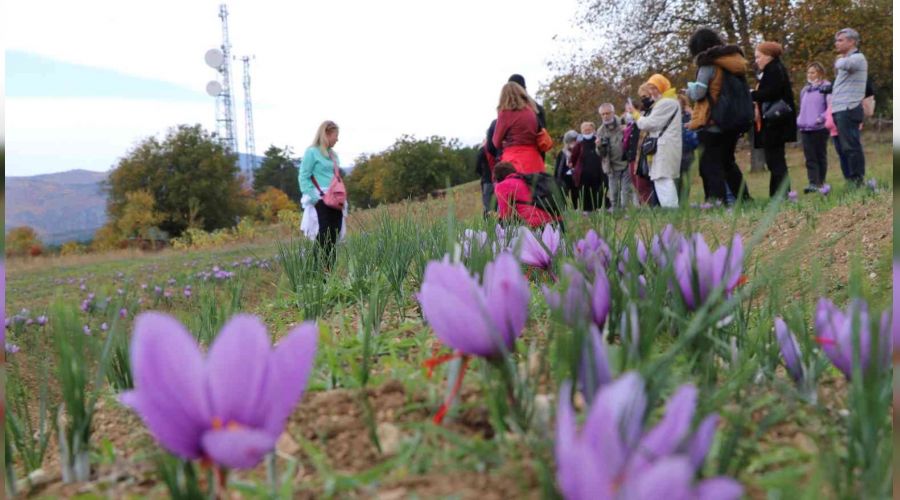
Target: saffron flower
pixel 229 407
pixel 480 320
pixel 594 371
pixel 86 329
pixel 790 350
pixel 792 196
pixel 42 320
pixel 472 239
pixel 825 189
pixel 838 330
pixel 593 252
pixel 123 313
pixel 612 457
pixel 11 348
pixel 698 271
pixel 664 245
pixel 581 301
pixel 538 253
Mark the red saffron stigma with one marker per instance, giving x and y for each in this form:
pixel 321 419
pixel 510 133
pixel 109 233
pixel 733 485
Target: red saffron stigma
pixel 445 407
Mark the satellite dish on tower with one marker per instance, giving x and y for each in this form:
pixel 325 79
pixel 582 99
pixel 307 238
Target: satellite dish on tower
pixel 214 58
pixel 214 88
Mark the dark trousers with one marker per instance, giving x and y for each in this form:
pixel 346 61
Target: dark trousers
pixel 845 168
pixel 848 123
pixel 777 165
pixel 330 221
pixel 718 167
pixel 487 198
pixel 815 150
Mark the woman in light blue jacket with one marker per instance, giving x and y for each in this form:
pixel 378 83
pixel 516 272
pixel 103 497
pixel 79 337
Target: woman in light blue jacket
pixel 317 168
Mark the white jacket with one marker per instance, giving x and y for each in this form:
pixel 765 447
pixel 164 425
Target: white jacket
pixel 666 163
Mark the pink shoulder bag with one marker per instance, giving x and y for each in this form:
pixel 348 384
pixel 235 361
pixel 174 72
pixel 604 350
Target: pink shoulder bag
pixel 336 196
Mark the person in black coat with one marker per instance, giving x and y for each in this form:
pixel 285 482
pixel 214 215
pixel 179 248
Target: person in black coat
pixel 773 94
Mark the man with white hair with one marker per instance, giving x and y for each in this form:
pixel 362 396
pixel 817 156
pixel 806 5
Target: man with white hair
pixel 848 92
pixel 611 149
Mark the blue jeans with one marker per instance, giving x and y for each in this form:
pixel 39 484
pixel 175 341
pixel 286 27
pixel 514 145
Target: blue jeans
pixel 848 123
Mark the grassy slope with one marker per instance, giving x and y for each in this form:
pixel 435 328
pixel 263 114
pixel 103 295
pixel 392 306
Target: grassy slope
pixel 811 243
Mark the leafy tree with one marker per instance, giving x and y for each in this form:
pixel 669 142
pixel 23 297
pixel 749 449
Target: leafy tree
pixel 138 215
pixel 410 168
pixel 188 169
pixel 278 170
pixel 272 201
pixel 22 240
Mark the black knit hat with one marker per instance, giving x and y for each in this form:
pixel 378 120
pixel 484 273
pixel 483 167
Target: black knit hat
pixel 703 39
pixel 518 79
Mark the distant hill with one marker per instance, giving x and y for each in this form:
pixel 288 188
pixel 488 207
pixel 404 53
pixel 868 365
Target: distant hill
pixel 60 207
pixel 69 205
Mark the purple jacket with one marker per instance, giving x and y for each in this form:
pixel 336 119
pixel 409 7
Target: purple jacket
pixel 812 108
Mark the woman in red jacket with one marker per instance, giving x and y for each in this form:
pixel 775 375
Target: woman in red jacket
pixel 517 129
pixel 514 198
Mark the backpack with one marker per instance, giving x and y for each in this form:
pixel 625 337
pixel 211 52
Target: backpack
pixel 733 110
pixel 630 142
pixel 546 192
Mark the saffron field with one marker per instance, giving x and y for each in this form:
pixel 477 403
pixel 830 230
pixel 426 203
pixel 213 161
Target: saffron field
pixel 707 352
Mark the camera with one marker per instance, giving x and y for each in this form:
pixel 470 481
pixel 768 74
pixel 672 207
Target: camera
pixel 825 89
pixel 604 143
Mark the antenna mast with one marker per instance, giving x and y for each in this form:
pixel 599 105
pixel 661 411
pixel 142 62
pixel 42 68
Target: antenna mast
pixel 224 109
pixel 249 138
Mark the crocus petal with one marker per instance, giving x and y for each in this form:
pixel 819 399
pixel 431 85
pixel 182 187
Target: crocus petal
pixel 169 383
pixel 507 294
pixel 669 433
pixel 614 422
pixel 684 275
pixel 238 448
pixel 789 349
pixel 703 263
pixel 452 304
pixel 895 323
pixel 238 364
pixel 719 488
pixel 289 370
pixel 668 478
pixel 531 252
pixel 550 237
pixel 700 443
pixel 735 267
pixel 594 371
pixel 600 298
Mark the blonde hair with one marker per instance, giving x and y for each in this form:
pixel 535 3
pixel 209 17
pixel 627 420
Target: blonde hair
pixel 514 97
pixel 321 139
pixel 647 89
pixel 588 124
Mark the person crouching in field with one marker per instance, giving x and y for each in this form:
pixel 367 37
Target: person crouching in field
pixel 516 132
pixel 514 201
pixel 320 187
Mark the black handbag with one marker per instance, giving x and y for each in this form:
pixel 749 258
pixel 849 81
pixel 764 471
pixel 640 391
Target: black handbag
pixel 777 111
pixel 649 146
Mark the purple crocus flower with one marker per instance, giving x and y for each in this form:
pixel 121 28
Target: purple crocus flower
pixel 187 292
pixel 472 239
pixel 581 301
pixel 157 290
pixel 836 334
pixel 706 206
pixel 86 329
pixel 123 313
pixel 790 350
pixel 665 244
pixel 104 327
pixel 696 265
pixel 538 253
pixel 872 184
pixel 476 320
pixel 792 196
pixel 825 189
pixel 612 457
pixel 593 252
pixel 11 348
pixel 42 320
pixel 594 371
pixel 230 407
pixel 600 298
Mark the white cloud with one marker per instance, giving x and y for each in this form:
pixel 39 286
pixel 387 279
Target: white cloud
pixel 380 69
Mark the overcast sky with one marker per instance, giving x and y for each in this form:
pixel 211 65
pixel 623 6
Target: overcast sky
pixel 87 80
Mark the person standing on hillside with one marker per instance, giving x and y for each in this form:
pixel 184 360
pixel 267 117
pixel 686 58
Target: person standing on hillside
pixel 318 168
pixel 811 123
pixel 611 148
pixel 561 171
pixel 589 179
pixel 662 125
pixel 776 118
pixel 847 100
pixel 516 131
pixel 717 164
pixel 484 167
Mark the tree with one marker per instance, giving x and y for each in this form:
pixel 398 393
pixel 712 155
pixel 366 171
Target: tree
pixel 138 215
pixel 410 168
pixel 272 201
pixel 278 170
pixel 188 164
pixel 22 241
